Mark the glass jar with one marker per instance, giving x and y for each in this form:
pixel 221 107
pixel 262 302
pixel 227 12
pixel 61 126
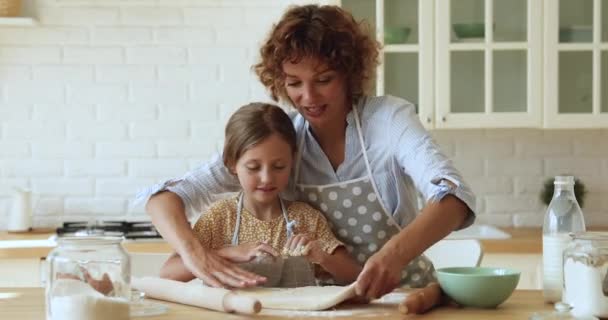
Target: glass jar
pixel 585 269
pixel 88 278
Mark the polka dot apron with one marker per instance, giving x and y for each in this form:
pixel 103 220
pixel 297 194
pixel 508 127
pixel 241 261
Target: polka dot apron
pixel 282 271
pixel 358 217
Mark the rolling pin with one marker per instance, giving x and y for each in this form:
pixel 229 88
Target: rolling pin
pixel 196 295
pixel 421 300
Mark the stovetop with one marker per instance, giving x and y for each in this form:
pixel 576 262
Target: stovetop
pixel 127 229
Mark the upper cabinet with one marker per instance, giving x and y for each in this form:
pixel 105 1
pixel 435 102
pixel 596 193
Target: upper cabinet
pixel 488 63
pixel 494 63
pixel 405 30
pixel 576 53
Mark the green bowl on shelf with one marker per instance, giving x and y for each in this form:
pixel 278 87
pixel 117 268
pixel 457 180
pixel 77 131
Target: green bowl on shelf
pixel 576 34
pixel 469 30
pixel 396 35
pixel 479 287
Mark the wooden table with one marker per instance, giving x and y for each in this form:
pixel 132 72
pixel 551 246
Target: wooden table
pixel 28 304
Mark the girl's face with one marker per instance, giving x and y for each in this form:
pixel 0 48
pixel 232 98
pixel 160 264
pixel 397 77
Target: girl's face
pixel 263 170
pixel 317 92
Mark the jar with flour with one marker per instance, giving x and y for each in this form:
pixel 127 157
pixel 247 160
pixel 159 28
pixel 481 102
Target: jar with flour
pixel 585 270
pixel 88 278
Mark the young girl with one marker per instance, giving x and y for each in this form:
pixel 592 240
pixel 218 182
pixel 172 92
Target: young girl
pixel 258 229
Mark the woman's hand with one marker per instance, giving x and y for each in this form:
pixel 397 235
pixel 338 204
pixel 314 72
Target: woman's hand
pixel 381 274
pixel 168 214
pixel 216 271
pixel 247 251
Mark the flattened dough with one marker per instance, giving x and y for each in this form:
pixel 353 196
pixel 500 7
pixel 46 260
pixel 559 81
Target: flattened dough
pixel 310 298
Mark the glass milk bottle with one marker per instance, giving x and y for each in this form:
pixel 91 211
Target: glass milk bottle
pixel 88 278
pixel 563 216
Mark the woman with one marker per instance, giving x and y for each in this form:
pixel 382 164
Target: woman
pixel 361 160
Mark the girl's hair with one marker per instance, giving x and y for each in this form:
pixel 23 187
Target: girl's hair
pixel 250 125
pixel 327 33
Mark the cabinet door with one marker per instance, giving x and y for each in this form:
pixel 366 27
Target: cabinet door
pixel 530 266
pixel 488 63
pixel 20 273
pixel 576 78
pixel 405 30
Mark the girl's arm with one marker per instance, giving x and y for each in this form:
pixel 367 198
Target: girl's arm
pixel 246 252
pixel 343 268
pixel 175 269
pixel 339 263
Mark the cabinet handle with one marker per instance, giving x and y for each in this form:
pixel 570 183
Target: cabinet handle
pixel 428 119
pixel 443 118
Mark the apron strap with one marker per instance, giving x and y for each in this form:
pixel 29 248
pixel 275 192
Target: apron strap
pixel 296 175
pixel 239 209
pixel 369 169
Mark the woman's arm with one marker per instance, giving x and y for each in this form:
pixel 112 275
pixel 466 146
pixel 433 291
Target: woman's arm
pixel 175 269
pixel 382 272
pixel 167 212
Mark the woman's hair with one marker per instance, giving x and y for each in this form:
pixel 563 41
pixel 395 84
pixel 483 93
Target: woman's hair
pixel 250 125
pixel 327 33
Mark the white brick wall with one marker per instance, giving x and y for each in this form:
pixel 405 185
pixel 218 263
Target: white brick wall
pixel 105 97
pixel 507 167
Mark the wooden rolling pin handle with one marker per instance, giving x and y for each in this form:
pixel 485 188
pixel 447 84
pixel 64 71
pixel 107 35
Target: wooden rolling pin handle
pixel 233 302
pixel 421 300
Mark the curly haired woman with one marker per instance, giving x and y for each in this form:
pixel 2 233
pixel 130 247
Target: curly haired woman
pixel 361 160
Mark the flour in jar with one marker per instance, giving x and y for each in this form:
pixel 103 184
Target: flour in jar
pixel 75 300
pixel 583 287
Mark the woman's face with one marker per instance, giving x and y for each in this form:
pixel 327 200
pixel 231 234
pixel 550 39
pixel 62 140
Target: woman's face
pixel 318 92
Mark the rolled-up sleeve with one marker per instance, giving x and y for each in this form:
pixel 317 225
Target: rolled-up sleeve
pixel 198 188
pixel 420 157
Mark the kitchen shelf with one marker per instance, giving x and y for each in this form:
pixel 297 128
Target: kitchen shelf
pixel 18 21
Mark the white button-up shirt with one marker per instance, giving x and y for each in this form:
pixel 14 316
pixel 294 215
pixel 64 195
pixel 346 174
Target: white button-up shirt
pixel 403 156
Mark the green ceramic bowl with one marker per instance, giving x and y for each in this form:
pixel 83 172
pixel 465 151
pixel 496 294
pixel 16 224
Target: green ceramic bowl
pixel 469 30
pixel 480 287
pixel 396 35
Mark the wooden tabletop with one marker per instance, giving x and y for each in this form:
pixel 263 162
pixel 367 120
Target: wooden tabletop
pixel 28 304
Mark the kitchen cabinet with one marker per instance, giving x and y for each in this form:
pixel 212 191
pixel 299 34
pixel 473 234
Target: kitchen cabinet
pixel 21 272
pixel 576 52
pixel 488 64
pixel 405 28
pixel 530 266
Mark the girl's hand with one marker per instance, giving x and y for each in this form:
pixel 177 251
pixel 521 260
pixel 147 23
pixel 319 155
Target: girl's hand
pixel 247 252
pixel 381 274
pixel 314 252
pixel 296 244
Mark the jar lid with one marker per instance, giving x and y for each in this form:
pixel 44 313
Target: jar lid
pixel 589 235
pixel 104 240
